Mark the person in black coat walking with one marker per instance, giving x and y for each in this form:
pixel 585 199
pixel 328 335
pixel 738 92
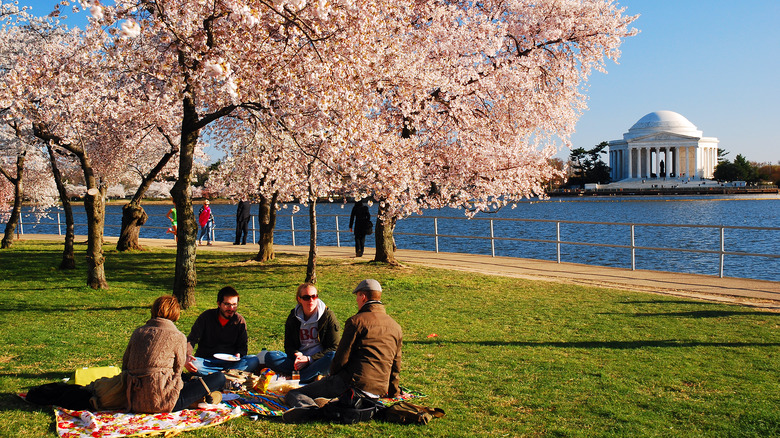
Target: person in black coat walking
pixel 361 218
pixel 242 221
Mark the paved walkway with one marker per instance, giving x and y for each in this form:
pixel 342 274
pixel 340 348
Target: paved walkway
pixel 755 293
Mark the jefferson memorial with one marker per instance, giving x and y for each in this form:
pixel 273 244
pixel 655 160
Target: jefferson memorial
pixel 663 144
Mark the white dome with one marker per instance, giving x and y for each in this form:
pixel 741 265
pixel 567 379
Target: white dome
pixel 662 121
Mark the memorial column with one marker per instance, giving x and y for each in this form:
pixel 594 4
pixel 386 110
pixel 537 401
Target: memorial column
pixel 657 162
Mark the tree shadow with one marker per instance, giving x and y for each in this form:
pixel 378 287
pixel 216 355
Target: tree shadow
pixel 695 314
pixel 613 345
pixel 676 302
pixel 152 271
pixel 31 307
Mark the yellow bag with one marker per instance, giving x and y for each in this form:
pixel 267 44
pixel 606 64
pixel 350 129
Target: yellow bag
pixel 85 376
pixel 110 393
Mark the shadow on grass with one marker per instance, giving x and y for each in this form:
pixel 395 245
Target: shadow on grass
pixel 696 314
pixel 26 307
pixel 50 376
pixel 703 303
pixel 12 402
pixel 155 270
pixel 614 345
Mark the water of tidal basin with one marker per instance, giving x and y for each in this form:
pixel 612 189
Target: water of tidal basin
pixel 753 211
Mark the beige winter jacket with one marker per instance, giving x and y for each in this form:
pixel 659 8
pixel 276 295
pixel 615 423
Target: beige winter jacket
pixel 153 361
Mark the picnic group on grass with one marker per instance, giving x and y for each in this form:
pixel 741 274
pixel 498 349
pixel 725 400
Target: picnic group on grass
pixel 365 359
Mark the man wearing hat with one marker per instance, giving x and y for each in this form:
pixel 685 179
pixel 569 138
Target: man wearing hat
pixel 368 358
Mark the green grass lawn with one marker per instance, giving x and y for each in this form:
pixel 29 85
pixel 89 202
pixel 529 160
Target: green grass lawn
pixel 511 357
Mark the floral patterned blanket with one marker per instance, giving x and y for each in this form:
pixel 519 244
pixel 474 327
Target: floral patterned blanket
pixel 272 405
pixel 113 424
pixel 109 424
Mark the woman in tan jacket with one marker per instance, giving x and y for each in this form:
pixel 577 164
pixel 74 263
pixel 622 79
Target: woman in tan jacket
pixel 154 360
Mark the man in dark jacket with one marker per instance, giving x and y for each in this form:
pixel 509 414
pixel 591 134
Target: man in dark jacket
pixel 368 358
pixel 242 221
pixel 220 331
pixel 311 335
pixel 361 218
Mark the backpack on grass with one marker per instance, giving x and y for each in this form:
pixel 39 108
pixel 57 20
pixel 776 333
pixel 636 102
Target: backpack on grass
pixel 64 395
pixel 408 413
pixel 351 407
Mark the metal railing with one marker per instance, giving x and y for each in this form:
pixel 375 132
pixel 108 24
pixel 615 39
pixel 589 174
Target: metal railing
pixel 558 242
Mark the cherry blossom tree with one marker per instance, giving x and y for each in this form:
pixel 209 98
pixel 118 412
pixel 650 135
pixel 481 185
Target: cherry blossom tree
pixel 76 95
pixel 148 161
pixel 250 170
pixel 420 103
pixel 473 120
pixel 445 104
pixel 15 179
pixel 276 163
pixel 23 160
pixel 29 176
pixel 11 14
pixel 223 55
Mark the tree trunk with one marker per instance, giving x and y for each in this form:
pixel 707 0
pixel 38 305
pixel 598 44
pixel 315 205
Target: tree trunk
pixel 186 244
pixel 13 221
pixel 95 208
pixel 133 217
pixel 133 214
pixel 93 205
pixel 385 242
pixel 311 265
pixel 267 219
pixel 68 257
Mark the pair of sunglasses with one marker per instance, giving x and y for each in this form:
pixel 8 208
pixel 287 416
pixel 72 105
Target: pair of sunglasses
pixel 308 297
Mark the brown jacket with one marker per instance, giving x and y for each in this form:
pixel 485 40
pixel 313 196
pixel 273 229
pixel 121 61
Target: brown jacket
pixel 153 361
pixel 369 354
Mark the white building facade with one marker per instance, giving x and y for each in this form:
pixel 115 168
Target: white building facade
pixel 663 144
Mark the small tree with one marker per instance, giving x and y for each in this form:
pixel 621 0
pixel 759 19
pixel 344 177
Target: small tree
pixel 748 172
pixel 588 166
pixel 739 170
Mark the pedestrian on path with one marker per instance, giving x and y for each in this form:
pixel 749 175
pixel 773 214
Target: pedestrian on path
pixel 206 221
pixel 242 221
pixel 361 218
pixel 171 215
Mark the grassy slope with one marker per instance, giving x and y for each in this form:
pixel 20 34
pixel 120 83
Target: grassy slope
pixel 512 357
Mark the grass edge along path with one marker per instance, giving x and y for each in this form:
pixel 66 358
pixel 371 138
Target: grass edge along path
pixel 503 356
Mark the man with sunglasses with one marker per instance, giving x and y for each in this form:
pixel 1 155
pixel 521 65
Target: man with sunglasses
pixel 311 335
pixel 367 360
pixel 221 332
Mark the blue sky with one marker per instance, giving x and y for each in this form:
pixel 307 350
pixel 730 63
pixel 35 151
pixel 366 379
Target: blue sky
pixel 716 62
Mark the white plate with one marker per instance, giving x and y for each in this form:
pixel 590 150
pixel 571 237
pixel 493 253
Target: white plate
pixel 226 357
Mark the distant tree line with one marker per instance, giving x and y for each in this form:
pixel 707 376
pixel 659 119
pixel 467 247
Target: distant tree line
pixel 743 170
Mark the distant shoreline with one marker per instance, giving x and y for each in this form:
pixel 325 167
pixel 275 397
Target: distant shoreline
pixel 660 191
pixel 666 191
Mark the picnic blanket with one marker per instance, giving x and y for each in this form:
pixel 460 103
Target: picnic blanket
pixel 110 424
pixel 114 424
pixel 271 404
